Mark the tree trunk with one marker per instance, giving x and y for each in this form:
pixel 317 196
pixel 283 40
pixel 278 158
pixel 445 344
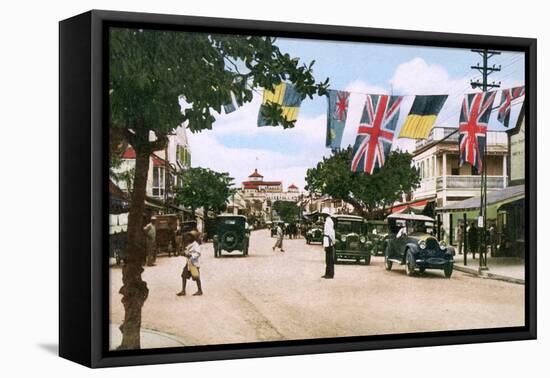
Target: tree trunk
pixel 134 290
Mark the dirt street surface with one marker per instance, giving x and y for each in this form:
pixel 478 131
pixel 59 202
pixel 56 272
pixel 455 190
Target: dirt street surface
pixel 271 296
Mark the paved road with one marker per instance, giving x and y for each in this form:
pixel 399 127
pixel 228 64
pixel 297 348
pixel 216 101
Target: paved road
pixel 280 296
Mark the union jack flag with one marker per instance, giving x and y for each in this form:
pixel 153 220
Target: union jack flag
pixel 474 117
pixel 375 133
pixel 506 98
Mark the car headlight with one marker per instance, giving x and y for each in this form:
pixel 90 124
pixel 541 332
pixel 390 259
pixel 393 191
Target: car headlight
pixel 442 245
pixel 362 239
pixel 344 238
pixel 422 244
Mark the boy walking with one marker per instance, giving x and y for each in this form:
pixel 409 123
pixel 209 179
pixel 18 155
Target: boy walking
pixel 191 269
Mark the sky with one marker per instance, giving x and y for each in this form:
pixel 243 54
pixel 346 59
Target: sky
pixel 236 145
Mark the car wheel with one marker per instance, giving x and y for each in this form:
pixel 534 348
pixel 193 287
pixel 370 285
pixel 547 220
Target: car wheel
pixel 448 270
pixel 387 263
pixel 367 260
pixel 409 264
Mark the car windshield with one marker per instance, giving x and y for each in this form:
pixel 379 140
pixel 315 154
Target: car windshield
pixel 419 226
pixel 346 227
pixel 231 221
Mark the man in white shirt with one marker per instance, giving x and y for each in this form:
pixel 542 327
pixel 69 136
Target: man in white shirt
pixel 328 244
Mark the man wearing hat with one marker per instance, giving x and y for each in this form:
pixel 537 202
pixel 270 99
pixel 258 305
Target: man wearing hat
pixel 328 240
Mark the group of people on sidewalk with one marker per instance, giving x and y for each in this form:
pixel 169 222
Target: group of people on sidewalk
pixel 471 241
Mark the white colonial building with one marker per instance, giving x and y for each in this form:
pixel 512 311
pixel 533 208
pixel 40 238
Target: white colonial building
pixel 163 165
pixel 261 194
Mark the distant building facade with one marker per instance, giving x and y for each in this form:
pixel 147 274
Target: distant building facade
pixel 260 194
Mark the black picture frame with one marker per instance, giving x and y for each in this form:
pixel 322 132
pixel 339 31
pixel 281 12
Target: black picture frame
pixel 83 116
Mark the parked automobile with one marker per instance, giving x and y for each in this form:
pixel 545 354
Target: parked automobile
pixel 231 234
pixel 351 238
pixel 411 243
pixel 377 236
pixel 314 233
pixel 166 226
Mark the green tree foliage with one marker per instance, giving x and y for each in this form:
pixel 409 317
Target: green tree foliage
pixel 150 74
pixel 332 176
pixel 288 211
pixel 204 188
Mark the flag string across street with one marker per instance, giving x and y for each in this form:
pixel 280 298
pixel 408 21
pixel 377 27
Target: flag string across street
pixel 380 119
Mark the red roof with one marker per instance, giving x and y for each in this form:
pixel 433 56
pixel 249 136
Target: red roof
pixel 256 184
pixel 129 153
pixel 255 174
pixel 292 186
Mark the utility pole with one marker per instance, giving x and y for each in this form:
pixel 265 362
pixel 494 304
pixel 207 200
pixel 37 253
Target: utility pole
pixel 485 71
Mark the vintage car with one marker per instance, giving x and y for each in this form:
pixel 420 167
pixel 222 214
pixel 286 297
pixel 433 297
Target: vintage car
pixel 231 234
pixel 377 236
pixel 351 240
pixel 166 226
pixel 411 243
pixel 314 233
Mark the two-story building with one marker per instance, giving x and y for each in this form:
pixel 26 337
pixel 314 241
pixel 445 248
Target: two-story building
pixel 164 166
pixel 443 181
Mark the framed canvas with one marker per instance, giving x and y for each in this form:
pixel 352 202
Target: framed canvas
pixel 236 188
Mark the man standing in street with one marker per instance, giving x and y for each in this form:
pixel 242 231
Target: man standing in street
pixel 328 240
pixel 280 237
pixel 150 241
pixel 459 236
pixel 473 241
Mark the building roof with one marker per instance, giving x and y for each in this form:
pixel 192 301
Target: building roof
pixel 347 216
pixel 256 184
pixel 255 174
pixel 493 197
pixel 416 217
pixel 292 186
pixel 129 153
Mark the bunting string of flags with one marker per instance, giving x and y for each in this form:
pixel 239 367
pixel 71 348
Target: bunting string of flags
pixel 380 117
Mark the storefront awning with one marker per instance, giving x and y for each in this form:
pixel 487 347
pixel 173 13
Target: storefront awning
pixel 497 197
pixel 411 207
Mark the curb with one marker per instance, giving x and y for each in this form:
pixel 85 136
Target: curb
pixel 488 275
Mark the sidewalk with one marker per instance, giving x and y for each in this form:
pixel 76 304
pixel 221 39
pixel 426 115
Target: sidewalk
pixel 510 269
pixel 149 338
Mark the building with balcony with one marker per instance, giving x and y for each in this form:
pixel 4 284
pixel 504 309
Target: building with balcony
pixel 164 166
pixel 443 181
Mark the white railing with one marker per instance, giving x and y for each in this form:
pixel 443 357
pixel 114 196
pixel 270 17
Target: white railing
pixel 469 182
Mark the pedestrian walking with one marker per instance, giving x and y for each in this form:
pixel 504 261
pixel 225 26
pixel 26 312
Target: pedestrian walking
pixel 473 239
pixel 493 239
pixel 150 241
pixel 328 240
pixel 459 236
pixel 192 240
pixel 280 236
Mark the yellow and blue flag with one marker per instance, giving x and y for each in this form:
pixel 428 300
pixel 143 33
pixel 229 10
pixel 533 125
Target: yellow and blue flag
pixel 287 97
pixel 422 116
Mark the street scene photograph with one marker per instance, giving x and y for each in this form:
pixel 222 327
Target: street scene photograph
pixel 273 189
